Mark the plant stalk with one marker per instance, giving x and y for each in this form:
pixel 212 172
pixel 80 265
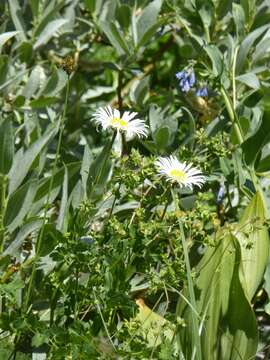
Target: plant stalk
pixel 3 189
pixel 192 299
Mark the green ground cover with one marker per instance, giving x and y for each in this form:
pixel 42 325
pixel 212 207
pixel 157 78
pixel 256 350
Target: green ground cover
pixel 134 179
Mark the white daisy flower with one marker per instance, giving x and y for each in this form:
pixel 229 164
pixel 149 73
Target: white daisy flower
pixel 127 123
pixel 182 173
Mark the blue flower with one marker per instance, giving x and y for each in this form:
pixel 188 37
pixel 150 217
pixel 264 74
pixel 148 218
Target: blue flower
pixel 220 194
pixel 187 79
pixel 180 75
pixel 203 91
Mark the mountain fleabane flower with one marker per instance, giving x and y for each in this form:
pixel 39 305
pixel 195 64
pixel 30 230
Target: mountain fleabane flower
pixel 126 123
pixel 184 174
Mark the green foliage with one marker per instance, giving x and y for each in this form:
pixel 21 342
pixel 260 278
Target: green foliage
pixel 99 258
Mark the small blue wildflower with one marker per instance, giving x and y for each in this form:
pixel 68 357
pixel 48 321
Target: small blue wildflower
pixel 185 85
pixel 187 79
pixel 220 194
pixel 203 91
pixel 180 75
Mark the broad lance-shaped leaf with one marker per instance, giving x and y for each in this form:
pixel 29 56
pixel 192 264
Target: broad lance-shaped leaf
pixel 253 145
pixel 19 204
pixel 115 37
pixel 6 144
pixel 17 18
pixel 6 36
pixel 48 32
pixel 17 172
pixel 227 321
pixel 254 241
pixel 247 44
pixel 62 217
pixel 99 171
pixel 147 19
pixel 154 328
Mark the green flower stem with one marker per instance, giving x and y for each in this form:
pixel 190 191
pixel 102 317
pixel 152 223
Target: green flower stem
pixel 192 299
pixel 3 189
pixel 119 90
pixel 207 34
pixel 232 115
pixel 233 76
pixel 47 205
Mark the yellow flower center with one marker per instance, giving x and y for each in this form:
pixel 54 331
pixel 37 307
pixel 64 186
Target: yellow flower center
pixel 178 175
pixel 118 122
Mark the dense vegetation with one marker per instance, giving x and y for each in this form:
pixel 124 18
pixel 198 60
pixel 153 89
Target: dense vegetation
pixel 134 236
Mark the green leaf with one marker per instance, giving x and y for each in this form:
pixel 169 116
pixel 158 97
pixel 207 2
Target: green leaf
pixel 6 145
pixel 162 137
pixel 6 36
pixel 77 195
pixel 3 69
pixel 18 172
pixel 123 15
pixel 115 37
pixel 64 204
pixel 26 52
pixel 252 146
pixel 263 165
pixel 261 51
pixel 25 230
pixel 139 90
pixel 90 5
pixel 246 45
pixel 249 79
pixel 149 34
pixel 99 171
pixel 50 239
pixel 12 287
pixel 14 79
pixel 44 184
pixel 228 323
pixel 254 240
pixel 216 59
pixel 42 102
pixel 48 12
pixel 34 4
pixel 244 124
pixel 206 15
pixel 86 163
pixel 249 7
pixel 49 31
pixel 19 203
pixel 33 82
pixel 16 15
pixel 153 327
pixel 38 339
pixel 55 83
pixel 267 280
pixel 159 119
pixel 147 19
pixel 239 19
